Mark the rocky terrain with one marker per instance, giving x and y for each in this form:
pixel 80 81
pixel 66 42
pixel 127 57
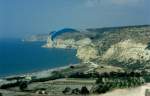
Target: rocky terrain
pixel 114 61
pixel 127 44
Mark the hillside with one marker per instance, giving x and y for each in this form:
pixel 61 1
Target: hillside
pixel 35 38
pixel 113 61
pixel 118 46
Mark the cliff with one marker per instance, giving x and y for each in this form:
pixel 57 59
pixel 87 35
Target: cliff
pixel 105 45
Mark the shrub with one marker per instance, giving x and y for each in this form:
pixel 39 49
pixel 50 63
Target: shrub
pixel 23 85
pixel 5 86
pixel 67 90
pixel 84 90
pixel 76 91
pixel 105 84
pixel 1 94
pixel 148 46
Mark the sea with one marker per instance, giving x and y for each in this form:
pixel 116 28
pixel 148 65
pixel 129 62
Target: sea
pixel 18 57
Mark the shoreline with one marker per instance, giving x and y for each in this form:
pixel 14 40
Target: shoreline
pixel 39 74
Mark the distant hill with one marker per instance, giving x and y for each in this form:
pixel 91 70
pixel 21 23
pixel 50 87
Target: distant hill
pixel 105 37
pixel 35 38
pixel 54 34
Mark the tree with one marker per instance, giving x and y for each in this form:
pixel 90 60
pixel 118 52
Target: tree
pixel 103 88
pixel 76 91
pixel 1 94
pixel 99 80
pixel 67 90
pixel 72 67
pixel 23 85
pixel 148 45
pixel 84 90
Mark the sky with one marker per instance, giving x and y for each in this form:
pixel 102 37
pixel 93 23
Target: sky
pixel 21 18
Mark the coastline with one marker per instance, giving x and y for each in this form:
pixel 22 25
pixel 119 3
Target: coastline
pixel 23 62
pixel 45 73
pixel 40 73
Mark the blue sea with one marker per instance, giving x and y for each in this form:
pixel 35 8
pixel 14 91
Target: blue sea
pixel 17 57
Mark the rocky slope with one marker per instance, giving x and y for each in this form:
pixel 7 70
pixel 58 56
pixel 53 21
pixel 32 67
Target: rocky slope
pixel 127 44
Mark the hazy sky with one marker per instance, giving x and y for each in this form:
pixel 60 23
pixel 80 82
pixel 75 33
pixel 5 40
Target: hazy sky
pixel 19 18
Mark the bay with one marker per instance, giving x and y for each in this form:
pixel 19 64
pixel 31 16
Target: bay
pixel 17 57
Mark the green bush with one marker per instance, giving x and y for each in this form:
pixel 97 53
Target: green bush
pixel 23 85
pixel 105 84
pixel 1 94
pixel 67 90
pixel 84 90
pixel 76 91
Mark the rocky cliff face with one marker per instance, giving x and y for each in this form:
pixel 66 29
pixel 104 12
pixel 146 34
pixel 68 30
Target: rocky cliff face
pixel 49 43
pixel 121 44
pixel 87 53
pixel 126 50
